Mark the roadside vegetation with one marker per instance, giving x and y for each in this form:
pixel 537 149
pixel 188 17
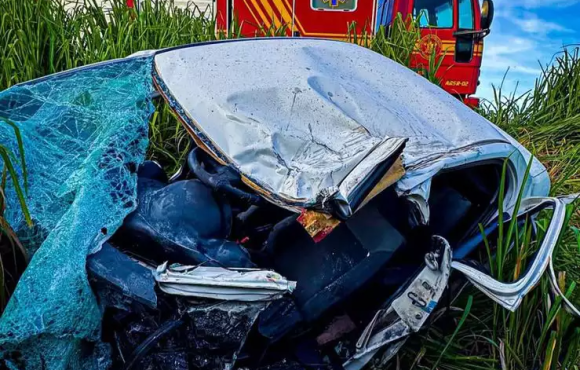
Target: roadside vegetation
pixel 13 256
pixel 474 333
pixel 41 37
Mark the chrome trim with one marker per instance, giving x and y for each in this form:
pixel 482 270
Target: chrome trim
pixel 510 295
pixel 570 307
pixel 556 290
pixel 177 174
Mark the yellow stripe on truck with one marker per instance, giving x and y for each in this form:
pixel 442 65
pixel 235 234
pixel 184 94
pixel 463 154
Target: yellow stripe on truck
pixel 269 10
pixel 265 21
pixel 251 12
pixel 286 15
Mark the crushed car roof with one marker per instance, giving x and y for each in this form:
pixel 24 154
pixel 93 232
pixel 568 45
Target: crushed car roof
pixel 309 120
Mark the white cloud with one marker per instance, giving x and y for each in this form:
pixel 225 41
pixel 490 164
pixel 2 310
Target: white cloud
pixel 533 4
pixel 530 23
pixel 525 35
pixel 500 63
pixel 520 40
pixel 510 52
pixel 509 45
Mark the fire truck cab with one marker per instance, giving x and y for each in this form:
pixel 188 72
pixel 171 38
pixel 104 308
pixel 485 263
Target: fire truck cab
pixel 450 29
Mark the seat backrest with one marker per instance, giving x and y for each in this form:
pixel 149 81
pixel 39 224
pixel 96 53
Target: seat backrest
pixel 328 272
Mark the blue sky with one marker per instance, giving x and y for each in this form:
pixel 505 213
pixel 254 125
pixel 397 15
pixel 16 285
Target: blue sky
pixel 525 33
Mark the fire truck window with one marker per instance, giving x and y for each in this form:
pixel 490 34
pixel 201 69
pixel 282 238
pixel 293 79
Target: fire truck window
pixel 464 50
pixel 385 13
pixel 466 15
pixel 434 13
pixel 344 5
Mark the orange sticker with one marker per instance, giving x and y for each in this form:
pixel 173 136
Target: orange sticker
pixel 317 224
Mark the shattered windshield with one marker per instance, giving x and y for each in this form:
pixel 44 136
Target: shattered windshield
pixel 84 134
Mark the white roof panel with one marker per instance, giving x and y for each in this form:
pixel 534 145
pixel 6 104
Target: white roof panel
pixel 309 119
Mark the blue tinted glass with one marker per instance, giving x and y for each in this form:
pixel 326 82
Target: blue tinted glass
pixel 424 19
pixel 434 13
pixel 466 14
pixel 384 13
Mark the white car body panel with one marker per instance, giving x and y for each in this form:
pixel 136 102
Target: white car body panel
pixel 297 116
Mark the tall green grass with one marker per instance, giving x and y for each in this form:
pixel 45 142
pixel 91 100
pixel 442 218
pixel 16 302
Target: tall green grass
pixel 547 121
pixel 43 37
pixel 547 118
pixel 396 42
pixel 541 334
pixel 13 256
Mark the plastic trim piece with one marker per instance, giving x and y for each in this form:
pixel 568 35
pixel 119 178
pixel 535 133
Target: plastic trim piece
pixel 390 327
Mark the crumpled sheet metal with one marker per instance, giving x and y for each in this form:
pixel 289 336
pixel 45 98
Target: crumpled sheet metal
pixel 313 110
pixel 246 285
pixel 84 131
pixel 416 183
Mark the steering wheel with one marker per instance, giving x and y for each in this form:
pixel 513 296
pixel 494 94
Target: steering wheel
pixel 222 179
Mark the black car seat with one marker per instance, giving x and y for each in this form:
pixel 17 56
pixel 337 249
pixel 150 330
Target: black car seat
pixel 182 222
pixel 330 271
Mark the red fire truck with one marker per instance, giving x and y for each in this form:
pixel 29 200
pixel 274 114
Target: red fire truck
pixel 452 29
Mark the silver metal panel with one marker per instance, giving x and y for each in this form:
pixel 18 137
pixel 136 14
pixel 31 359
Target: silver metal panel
pixel 246 285
pixel 299 115
pixel 510 295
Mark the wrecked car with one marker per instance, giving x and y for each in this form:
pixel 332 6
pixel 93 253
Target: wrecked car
pixel 329 194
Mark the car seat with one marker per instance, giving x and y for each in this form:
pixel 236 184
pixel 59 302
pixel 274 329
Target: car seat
pixel 181 222
pixel 330 271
